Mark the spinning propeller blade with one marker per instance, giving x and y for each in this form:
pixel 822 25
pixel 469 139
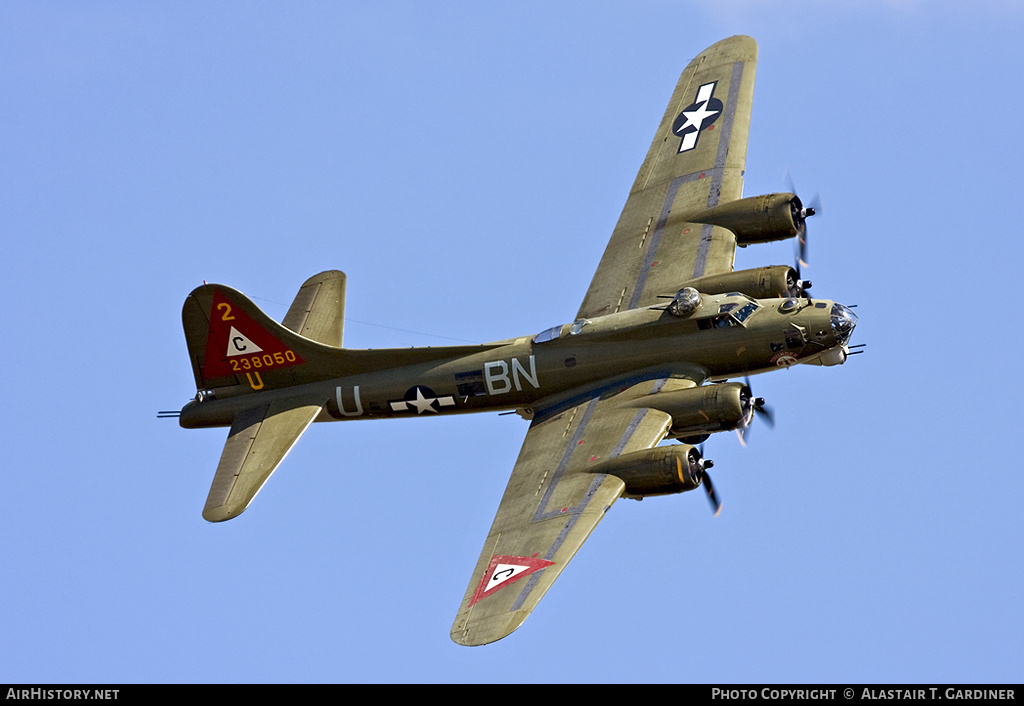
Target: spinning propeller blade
pixel 800 215
pixel 753 405
pixel 709 487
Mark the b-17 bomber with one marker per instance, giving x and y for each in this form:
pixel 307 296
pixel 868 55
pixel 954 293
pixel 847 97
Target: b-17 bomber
pixel 661 348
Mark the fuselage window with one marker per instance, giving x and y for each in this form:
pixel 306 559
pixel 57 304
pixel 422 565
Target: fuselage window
pixel 744 313
pixel 720 321
pixel 731 316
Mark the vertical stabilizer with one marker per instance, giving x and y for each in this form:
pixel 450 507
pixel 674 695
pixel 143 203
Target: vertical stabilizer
pixel 231 342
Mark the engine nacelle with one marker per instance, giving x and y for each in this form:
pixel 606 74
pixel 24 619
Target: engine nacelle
pixel 662 470
pixel 756 219
pixel 759 283
pixel 697 411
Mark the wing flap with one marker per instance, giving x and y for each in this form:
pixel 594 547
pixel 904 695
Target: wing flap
pixel 551 505
pixel 259 439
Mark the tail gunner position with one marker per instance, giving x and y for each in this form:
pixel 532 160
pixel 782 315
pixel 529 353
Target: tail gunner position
pixel 665 324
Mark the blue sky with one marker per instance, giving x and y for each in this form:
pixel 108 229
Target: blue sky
pixel 464 163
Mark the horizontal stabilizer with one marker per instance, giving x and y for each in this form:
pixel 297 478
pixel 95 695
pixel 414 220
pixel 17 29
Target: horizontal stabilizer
pixel 318 311
pixel 259 440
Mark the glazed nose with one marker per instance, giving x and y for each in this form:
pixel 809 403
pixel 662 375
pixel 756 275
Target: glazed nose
pixel 843 322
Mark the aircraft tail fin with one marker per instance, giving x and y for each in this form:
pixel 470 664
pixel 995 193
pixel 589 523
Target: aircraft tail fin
pixel 231 342
pixel 234 345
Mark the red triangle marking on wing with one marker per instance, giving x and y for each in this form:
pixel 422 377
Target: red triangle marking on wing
pixel 504 570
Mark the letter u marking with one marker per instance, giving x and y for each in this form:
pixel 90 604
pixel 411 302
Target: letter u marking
pixel 341 402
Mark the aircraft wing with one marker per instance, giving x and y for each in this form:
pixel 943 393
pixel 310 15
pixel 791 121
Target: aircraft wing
pixel 552 503
pixel 695 162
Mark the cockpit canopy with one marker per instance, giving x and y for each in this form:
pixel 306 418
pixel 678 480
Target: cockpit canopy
pixel 730 313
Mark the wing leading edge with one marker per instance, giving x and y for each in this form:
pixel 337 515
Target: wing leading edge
pixel 695 162
pixel 553 502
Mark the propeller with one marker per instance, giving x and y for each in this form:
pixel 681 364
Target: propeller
pixel 716 504
pixel 796 286
pixel 800 215
pixel 753 406
pixel 709 488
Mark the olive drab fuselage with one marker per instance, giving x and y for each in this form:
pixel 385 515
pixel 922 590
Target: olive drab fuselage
pixel 730 335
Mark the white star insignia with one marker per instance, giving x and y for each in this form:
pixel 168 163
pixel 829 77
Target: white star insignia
pixel 699 115
pixel 696 118
pixel 423 404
